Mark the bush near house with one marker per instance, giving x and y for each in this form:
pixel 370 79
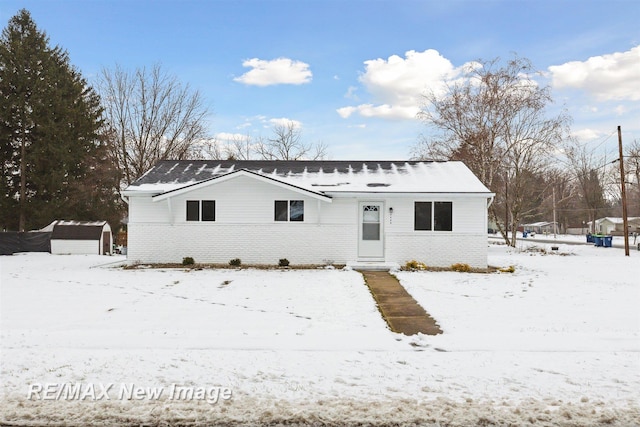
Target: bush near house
pixel 236 262
pixel 414 265
pixel 283 262
pixel 460 267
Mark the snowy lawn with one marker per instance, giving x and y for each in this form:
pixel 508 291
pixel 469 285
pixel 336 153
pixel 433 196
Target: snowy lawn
pixel 555 343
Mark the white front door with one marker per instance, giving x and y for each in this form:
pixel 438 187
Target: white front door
pixel 371 230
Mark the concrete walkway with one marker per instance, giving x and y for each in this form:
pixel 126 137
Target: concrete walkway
pixel 398 308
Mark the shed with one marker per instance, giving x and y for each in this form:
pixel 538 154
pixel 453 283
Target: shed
pixel 80 237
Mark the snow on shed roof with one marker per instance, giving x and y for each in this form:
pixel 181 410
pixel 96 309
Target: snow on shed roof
pixel 326 177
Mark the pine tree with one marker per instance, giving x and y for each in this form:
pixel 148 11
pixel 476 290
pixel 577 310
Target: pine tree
pixel 49 129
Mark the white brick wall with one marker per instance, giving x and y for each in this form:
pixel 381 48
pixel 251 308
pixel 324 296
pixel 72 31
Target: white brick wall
pixel 245 229
pixel 438 249
pixel 253 243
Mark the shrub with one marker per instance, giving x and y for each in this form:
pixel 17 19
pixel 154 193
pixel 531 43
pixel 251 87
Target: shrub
pixel 188 261
pixel 283 262
pixel 415 265
pixel 462 268
pixel 236 262
pixel 510 269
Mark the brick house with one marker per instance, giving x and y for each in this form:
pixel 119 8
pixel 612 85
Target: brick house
pixel 310 212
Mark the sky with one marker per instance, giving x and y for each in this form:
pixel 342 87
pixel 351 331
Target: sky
pixel 351 74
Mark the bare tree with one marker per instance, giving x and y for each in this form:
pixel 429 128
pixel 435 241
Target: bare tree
pixel 495 119
pixel 632 167
pixel 240 148
pixel 589 175
pixel 287 144
pixel 561 196
pixel 151 116
pixel 206 149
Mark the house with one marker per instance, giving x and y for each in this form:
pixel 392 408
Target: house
pixel 615 226
pixel 80 237
pixel 541 227
pixel 310 212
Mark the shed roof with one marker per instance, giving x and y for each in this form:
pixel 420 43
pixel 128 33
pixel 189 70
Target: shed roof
pixel 325 177
pixel 77 230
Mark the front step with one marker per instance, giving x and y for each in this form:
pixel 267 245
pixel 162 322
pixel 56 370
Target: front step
pixel 373 265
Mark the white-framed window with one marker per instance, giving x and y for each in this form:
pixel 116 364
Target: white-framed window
pixel 433 216
pixel 288 210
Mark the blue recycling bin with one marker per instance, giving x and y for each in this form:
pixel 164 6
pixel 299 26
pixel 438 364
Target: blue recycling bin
pixel 607 241
pixel 525 234
pixel 598 240
pixel 590 238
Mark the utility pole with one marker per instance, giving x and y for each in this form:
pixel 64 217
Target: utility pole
pixel 625 224
pixel 554 212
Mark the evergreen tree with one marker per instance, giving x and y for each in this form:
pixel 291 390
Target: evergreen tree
pixel 49 130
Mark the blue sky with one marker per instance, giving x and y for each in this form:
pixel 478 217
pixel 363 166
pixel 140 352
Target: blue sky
pixel 350 73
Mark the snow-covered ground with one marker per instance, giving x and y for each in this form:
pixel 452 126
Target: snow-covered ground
pixel 557 342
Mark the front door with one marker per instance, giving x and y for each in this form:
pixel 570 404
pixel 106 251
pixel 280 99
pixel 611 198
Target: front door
pixel 370 235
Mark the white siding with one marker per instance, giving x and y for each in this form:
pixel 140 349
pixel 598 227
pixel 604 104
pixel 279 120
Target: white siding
pixel 242 200
pixel 75 247
pixel 245 228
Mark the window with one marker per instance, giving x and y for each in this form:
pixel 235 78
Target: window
pixel 296 210
pixel 436 216
pixel 289 210
pixel 208 212
pixel 371 222
pixel 422 217
pixel 193 210
pixel 442 216
pixel 281 213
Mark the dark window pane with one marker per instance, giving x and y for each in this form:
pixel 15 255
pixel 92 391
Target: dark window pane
pixel 422 216
pixel 370 231
pixel 442 216
pixel 281 210
pixel 208 210
pixel 296 210
pixel 193 210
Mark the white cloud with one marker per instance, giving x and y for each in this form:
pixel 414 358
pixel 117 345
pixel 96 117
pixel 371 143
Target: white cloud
pixel 351 93
pixel 227 137
pixel 285 122
pixel 621 110
pixel 586 135
pixel 397 84
pixel 274 72
pixel 345 112
pixel 608 77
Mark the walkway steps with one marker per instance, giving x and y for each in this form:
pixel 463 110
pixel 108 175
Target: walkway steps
pixel 401 311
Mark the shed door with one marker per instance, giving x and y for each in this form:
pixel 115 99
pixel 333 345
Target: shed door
pixel 370 235
pixel 106 242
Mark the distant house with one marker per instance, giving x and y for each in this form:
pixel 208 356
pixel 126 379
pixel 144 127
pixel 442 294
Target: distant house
pixel 80 237
pixel 540 227
pixel 310 212
pixel 613 225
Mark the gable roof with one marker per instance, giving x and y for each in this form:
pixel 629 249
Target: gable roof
pixel 240 172
pixel 320 177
